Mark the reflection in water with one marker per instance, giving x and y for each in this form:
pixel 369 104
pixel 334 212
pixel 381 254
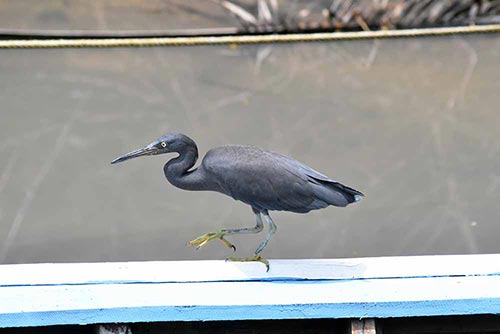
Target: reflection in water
pixel 413 123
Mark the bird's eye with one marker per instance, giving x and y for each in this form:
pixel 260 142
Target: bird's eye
pixel 163 144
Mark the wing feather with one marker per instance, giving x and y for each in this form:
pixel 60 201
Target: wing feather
pixel 272 181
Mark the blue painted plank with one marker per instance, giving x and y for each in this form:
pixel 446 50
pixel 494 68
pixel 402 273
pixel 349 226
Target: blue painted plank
pixel 217 271
pixel 253 312
pixel 244 292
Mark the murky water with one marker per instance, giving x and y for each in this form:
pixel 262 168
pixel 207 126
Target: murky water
pixel 413 123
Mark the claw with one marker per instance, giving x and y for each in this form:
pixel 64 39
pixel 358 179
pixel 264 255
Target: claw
pixel 203 240
pixel 227 244
pixel 254 258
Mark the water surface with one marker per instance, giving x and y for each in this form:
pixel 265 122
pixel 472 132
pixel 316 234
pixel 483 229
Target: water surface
pixel 413 123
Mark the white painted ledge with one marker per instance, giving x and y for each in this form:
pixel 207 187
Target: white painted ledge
pixel 85 293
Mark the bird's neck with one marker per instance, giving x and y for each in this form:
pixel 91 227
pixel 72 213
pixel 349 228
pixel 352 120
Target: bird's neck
pixel 178 173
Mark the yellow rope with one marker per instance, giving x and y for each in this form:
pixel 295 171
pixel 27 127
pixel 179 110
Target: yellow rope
pixel 243 39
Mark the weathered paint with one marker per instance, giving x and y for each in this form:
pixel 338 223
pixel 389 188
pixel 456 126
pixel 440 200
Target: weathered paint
pixel 251 312
pixel 364 288
pixel 217 271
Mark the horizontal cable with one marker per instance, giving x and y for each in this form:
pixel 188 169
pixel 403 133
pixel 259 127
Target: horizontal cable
pixel 242 39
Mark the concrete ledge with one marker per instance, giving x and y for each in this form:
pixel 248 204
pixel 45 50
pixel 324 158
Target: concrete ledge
pixel 89 293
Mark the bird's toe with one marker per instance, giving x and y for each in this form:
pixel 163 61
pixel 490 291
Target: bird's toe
pixel 254 258
pixel 203 240
pixel 227 244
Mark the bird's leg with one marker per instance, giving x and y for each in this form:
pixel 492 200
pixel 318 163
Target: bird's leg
pixel 203 240
pixel 272 230
pixel 256 256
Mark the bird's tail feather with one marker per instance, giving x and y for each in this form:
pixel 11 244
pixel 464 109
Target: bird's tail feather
pixel 351 194
pixel 357 195
pixel 335 193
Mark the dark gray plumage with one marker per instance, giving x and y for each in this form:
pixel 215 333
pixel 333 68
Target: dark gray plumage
pixel 271 181
pixel 262 179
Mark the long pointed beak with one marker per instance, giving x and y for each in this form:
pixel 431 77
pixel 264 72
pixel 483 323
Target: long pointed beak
pixel 134 154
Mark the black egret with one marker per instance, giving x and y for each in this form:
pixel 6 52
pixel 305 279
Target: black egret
pixel 263 179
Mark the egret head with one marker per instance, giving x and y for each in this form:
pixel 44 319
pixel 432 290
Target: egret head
pixel 169 142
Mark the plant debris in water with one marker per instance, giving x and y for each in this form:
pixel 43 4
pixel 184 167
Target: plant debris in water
pixel 265 16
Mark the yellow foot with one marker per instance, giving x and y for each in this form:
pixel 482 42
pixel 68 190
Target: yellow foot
pixel 254 258
pixel 203 240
